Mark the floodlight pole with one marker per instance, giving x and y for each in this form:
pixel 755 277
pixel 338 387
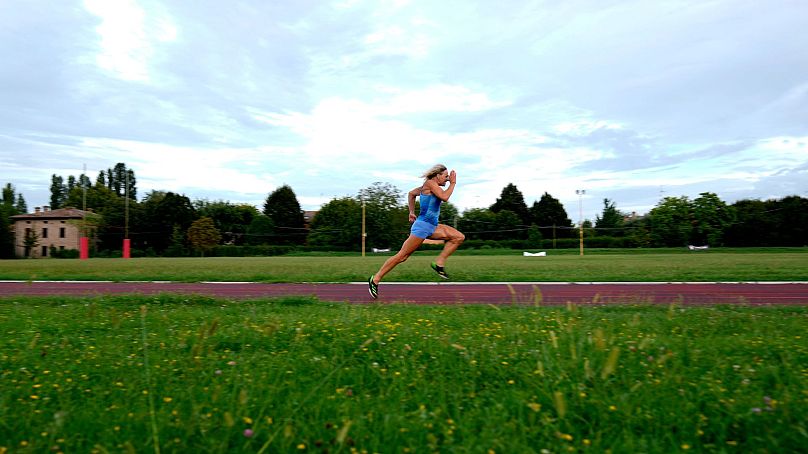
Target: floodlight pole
pixel 580 193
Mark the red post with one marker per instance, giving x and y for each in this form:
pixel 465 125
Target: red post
pixel 84 248
pixel 126 248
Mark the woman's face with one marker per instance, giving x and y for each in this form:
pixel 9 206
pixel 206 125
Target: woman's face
pixel 442 178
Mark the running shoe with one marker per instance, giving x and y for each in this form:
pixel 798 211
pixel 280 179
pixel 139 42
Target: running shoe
pixel 439 269
pixel 373 288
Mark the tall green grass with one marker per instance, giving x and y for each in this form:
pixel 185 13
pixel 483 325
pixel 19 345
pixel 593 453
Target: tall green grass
pixel 193 374
pixel 786 265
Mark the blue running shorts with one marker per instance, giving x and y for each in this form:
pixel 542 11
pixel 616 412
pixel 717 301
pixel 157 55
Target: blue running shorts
pixel 422 229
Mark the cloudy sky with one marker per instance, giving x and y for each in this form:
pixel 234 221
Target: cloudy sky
pixel 630 100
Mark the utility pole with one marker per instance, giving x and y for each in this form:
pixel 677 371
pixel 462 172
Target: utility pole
pixel 581 193
pixel 84 242
pixel 364 234
pixel 126 242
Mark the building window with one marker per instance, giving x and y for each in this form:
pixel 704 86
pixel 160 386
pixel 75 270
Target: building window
pixel 44 251
pixel 44 232
pixel 61 232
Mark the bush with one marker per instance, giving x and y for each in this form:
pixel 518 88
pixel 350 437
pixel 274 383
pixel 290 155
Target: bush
pixel 64 253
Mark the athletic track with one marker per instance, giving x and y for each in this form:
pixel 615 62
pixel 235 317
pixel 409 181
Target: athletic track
pixel 757 293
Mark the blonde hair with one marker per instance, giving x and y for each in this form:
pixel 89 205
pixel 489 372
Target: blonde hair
pixel 434 170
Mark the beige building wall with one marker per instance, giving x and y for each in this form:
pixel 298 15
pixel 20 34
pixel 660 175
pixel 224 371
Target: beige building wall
pixel 57 229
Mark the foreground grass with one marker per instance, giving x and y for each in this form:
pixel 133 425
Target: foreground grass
pixel 134 374
pixel 785 265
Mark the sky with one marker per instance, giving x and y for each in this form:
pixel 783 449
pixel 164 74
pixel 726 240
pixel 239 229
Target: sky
pixel 627 100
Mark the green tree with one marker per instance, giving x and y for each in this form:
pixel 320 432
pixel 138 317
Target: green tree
pixel 612 220
pixel 260 230
pixel 231 220
pixel 478 224
pixel 386 219
pixel 548 213
pixel 30 242
pixel 6 235
pixel 283 208
pixel 638 232
pixel 58 192
pixel 203 235
pixel 512 199
pixel 385 196
pixel 754 225
pixel 338 225
pixel 711 218
pixel 671 222
pixel 95 197
pixel 769 223
pixel 448 214
pixel 162 214
pixel 793 226
pixel 8 197
pixel 14 204
pixel 122 181
pixel 177 248
pixel 509 226
pixel 21 207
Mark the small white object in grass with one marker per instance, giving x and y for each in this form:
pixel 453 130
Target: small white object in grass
pixel 534 254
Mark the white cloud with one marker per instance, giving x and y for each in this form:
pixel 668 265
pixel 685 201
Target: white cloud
pixel 127 37
pixel 618 98
pixel 185 169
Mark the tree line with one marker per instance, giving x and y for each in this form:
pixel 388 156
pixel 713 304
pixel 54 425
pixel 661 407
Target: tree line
pixel 169 224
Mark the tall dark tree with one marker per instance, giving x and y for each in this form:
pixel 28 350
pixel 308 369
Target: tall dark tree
pixel 512 199
pixel 794 224
pixel 6 211
pixel 101 179
pixel 611 221
pixel 122 181
pixel 549 214
pixel 21 207
pixel 9 200
pixel 84 181
pixel 283 208
pixel 58 191
pixel 166 218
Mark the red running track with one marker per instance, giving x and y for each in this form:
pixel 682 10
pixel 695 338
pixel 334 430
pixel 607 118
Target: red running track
pixel 445 293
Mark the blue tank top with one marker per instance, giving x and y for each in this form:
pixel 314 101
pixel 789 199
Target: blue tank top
pixel 430 208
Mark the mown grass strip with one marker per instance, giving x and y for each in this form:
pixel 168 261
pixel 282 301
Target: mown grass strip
pixel 787 265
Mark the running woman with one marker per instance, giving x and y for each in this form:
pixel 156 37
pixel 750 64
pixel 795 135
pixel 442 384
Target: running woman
pixel 426 225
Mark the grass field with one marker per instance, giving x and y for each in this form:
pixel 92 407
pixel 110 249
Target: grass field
pixel 506 266
pixel 179 374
